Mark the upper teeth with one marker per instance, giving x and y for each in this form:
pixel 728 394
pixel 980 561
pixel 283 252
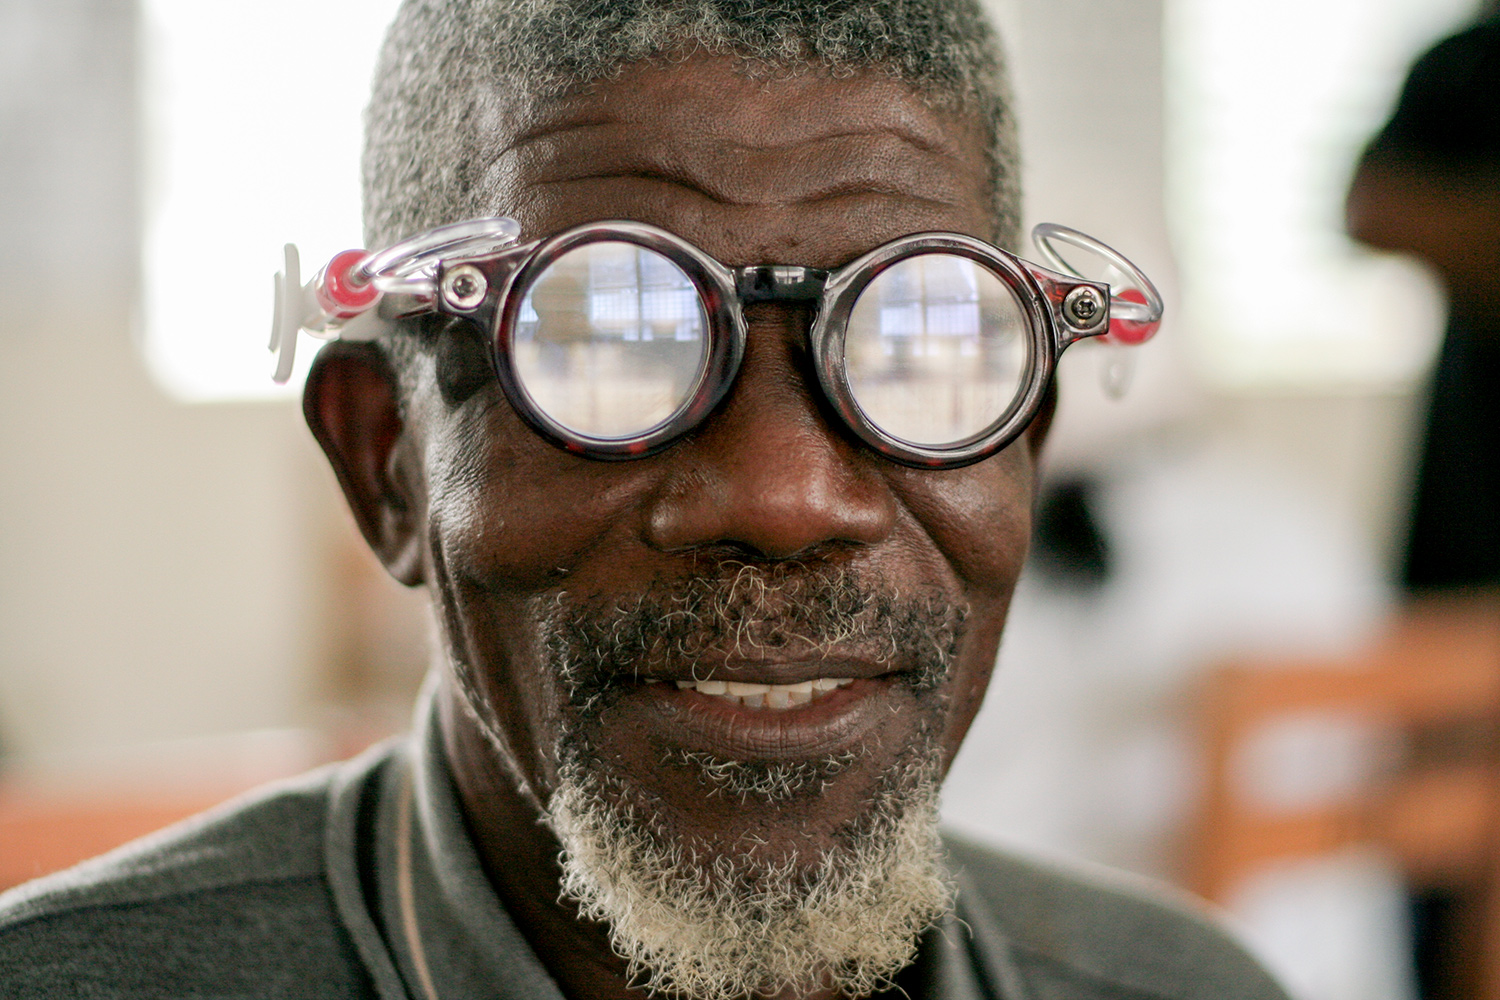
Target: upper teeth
pixel 768 695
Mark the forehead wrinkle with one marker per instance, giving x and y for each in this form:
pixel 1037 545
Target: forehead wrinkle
pixel 803 234
pixel 935 141
pixel 875 161
pixel 711 98
pixel 808 170
pixel 834 193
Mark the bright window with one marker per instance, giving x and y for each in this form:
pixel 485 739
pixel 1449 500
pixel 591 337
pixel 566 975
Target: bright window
pixel 253 118
pixel 1269 104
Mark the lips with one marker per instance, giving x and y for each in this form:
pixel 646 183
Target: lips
pixel 756 720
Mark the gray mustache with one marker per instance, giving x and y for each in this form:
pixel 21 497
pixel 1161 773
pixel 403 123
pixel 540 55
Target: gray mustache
pixel 600 646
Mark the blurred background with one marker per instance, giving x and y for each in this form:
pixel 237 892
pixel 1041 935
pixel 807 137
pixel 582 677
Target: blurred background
pixel 1256 653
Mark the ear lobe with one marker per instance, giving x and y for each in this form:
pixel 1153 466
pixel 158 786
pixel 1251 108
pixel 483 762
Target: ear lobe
pixel 351 403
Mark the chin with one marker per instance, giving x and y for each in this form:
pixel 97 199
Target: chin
pixel 788 877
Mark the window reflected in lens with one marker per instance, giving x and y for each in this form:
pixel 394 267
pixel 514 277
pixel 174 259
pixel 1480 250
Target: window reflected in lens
pixel 610 340
pixel 936 349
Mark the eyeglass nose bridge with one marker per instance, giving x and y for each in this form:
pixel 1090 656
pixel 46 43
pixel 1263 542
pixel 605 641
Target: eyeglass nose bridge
pixel 779 283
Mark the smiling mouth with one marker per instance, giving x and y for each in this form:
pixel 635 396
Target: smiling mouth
pixel 773 697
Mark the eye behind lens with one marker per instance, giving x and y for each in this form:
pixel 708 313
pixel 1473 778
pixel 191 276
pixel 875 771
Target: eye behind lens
pixel 610 341
pixel 937 350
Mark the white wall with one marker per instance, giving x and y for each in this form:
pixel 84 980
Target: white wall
pixel 152 569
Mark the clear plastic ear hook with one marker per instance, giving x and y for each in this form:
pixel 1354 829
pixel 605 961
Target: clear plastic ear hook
pixel 341 300
pixel 1135 306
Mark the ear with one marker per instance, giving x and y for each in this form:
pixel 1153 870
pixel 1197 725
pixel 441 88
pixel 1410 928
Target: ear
pixel 1036 431
pixel 351 403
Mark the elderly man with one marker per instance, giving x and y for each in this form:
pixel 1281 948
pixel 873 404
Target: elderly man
pixel 719 574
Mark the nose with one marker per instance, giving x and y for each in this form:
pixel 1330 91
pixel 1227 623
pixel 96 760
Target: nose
pixel 766 472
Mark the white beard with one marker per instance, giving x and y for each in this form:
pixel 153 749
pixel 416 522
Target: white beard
pixel 728 927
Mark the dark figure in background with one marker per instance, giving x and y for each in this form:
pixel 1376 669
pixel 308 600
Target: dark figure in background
pixel 1429 185
pixel 1070 546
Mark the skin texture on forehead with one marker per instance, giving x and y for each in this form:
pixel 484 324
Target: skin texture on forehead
pixel 788 163
pixel 453 491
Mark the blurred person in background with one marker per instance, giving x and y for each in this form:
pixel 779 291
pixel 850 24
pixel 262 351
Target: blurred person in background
pixel 692 709
pixel 1429 185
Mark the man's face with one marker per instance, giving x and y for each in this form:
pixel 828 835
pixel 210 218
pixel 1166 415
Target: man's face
pixel 768 547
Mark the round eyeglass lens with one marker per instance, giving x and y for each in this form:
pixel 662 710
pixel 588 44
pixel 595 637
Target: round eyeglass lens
pixel 611 340
pixel 936 350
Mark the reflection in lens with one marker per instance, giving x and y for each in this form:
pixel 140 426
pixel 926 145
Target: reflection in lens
pixel 610 340
pixel 936 349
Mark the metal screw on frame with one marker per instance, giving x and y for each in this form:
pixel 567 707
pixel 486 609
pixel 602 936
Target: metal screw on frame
pixel 464 287
pixel 1083 307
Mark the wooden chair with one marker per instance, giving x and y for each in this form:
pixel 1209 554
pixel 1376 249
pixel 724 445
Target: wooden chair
pixel 1432 684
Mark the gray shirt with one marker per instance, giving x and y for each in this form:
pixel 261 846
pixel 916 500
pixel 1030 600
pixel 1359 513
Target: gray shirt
pixel 359 880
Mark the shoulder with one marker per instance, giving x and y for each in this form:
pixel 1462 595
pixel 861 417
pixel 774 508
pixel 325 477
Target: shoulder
pixel 1072 925
pixel 232 902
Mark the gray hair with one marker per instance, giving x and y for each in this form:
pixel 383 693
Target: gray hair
pixel 424 126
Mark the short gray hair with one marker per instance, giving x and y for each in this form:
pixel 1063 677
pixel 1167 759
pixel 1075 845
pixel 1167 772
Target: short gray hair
pixel 423 129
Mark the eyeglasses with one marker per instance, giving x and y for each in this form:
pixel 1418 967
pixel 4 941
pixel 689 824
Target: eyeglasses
pixel 614 339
